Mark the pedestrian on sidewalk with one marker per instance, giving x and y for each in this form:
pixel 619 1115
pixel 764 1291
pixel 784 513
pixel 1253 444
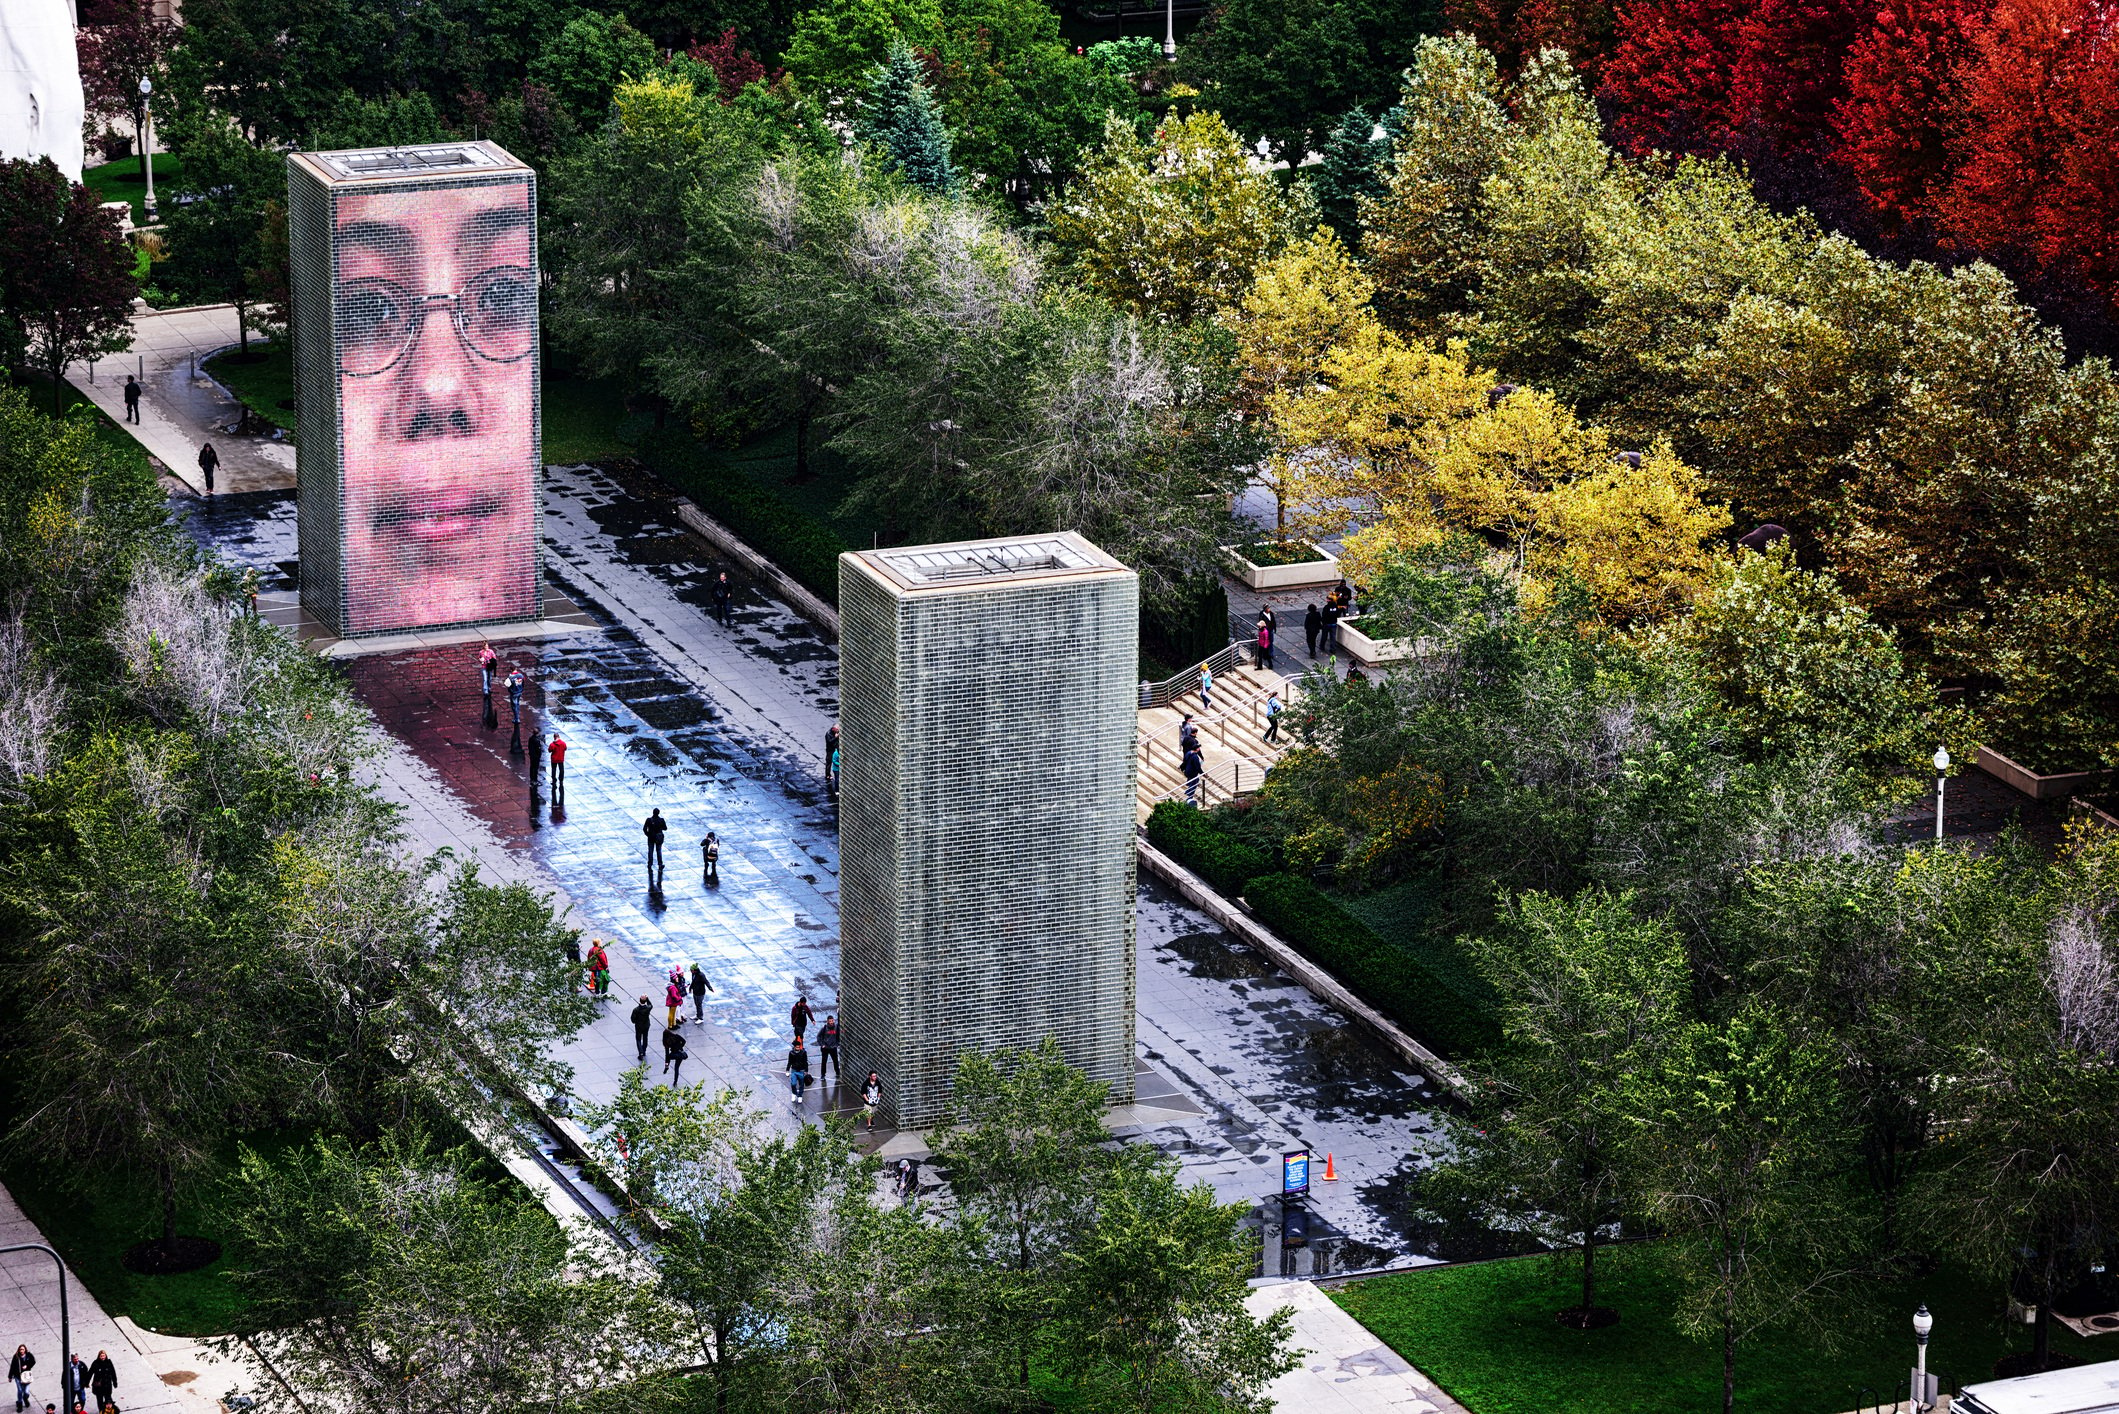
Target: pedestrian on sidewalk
pixel 103 1379
pixel 1265 642
pixel 1206 687
pixel 871 1096
pixel 710 859
pixel 486 659
pixel 673 1052
pixel 723 596
pixel 599 969
pixel 654 827
pixel 18 1370
pixel 208 460
pixel 79 1384
pixel 700 987
pixel 673 998
pixel 1187 734
pixel 132 398
pixel 828 1051
pixel 1329 635
pixel 1273 711
pixel 799 1016
pixel 1193 767
pixel 798 1070
pixel 643 1020
pixel 1312 625
pixel 558 752
pixel 515 685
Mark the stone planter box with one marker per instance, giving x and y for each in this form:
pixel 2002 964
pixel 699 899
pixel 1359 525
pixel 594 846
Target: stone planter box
pixel 2037 787
pixel 1298 575
pixel 1370 652
pixel 2097 812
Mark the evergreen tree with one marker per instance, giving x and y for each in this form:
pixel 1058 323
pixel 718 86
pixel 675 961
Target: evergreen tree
pixel 1352 169
pixel 900 119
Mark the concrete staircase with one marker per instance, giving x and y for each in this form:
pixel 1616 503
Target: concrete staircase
pixel 1235 759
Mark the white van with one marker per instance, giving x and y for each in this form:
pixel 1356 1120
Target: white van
pixel 2086 1389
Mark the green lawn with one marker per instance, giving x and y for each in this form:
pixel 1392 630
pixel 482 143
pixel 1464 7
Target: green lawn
pixel 1486 1333
pixel 585 421
pixel 120 181
pixel 263 383
pixel 768 460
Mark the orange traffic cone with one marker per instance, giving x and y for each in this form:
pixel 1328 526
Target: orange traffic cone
pixel 1331 1175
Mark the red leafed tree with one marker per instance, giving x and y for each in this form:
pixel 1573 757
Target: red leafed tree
pixel 733 67
pixel 1893 124
pixel 65 272
pixel 1788 72
pixel 2078 227
pixel 119 43
pixel 1514 30
pixel 1667 80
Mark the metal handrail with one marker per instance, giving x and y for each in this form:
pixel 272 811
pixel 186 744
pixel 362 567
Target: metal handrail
pixel 1253 707
pixel 1162 694
pixel 1234 767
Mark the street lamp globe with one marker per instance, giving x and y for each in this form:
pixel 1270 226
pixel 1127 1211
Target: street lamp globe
pixel 1942 758
pixel 147 86
pixel 1922 1324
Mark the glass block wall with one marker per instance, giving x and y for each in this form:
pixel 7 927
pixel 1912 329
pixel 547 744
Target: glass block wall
pixel 419 487
pixel 986 822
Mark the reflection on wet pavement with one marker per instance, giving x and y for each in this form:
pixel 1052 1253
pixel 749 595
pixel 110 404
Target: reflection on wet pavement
pixel 720 728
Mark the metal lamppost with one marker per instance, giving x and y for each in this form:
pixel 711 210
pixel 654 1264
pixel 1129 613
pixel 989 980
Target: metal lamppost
pixel 1169 31
pixel 1942 764
pixel 147 142
pixel 67 1393
pixel 1925 1385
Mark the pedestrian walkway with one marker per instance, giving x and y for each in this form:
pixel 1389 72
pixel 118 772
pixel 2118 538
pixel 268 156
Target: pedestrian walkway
pixel 181 408
pixel 156 1374
pixel 1345 1369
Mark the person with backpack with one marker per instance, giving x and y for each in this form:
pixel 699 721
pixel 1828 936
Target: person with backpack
pixel 643 1021
pixel 710 860
pixel 599 969
pixel 798 1070
pixel 871 1097
pixel 673 1052
pixel 828 1051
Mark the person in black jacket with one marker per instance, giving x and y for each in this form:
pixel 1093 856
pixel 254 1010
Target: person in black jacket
pixel 828 1051
pixel 798 1070
pixel 654 827
pixel 722 596
pixel 18 1370
pixel 643 1018
pixel 673 1052
pixel 700 987
pixel 1312 625
pixel 103 1379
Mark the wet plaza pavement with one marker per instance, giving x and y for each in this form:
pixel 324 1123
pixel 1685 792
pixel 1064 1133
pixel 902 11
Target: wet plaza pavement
pixel 721 727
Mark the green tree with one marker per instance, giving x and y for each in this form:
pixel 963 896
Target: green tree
pixel 1350 171
pixel 837 44
pixel 899 118
pixel 584 64
pixel 65 273
pixel 219 228
pixel 1024 1146
pixel 1739 1129
pixel 1173 225
pixel 1150 1310
pixel 1590 993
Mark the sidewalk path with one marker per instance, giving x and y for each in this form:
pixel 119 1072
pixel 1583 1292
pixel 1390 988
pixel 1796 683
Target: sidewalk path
pixel 722 727
pixel 180 409
pixel 1345 1369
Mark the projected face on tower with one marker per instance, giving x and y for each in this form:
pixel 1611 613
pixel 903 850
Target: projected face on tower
pixel 434 323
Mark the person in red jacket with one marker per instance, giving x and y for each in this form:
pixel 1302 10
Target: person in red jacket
pixel 558 752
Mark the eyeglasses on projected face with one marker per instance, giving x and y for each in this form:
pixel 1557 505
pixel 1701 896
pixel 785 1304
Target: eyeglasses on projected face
pixel 379 320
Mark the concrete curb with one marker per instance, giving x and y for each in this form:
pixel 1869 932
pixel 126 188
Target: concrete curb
pixel 714 533
pixel 1321 984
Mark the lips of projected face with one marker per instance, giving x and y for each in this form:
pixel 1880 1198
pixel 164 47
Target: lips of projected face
pixel 439 518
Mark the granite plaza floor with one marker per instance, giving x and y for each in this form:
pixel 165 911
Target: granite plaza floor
pixel 723 728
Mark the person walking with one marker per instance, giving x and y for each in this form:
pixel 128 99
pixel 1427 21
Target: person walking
pixel 1206 688
pixel 486 660
pixel 654 827
pixel 799 1016
pixel 1187 734
pixel 1265 642
pixel 1328 636
pixel 599 969
pixel 1273 711
pixel 797 1070
pixel 700 987
pixel 1312 625
pixel 18 1370
pixel 1194 767
pixel 103 1379
pixel 871 1097
pixel 79 1382
pixel 723 598
pixel 673 998
pixel 515 684
pixel 710 859
pixel 132 398
pixel 643 1022
pixel 828 1051
pixel 673 1052
pixel 208 460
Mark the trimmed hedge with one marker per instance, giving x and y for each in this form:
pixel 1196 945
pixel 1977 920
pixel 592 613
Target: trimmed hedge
pixel 1189 837
pixel 1433 1006
pixel 795 541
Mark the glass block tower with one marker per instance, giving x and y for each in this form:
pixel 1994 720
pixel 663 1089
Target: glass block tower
pixel 413 274
pixel 987 700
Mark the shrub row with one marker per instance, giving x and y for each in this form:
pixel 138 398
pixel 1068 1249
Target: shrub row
pixel 1190 838
pixel 1440 1010
pixel 795 541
